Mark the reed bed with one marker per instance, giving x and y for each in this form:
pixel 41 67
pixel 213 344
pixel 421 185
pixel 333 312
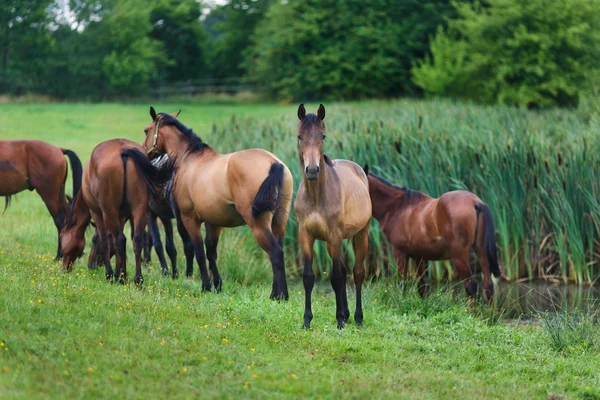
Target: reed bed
pixel 535 169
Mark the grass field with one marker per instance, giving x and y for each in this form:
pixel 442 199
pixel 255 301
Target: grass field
pixel 76 336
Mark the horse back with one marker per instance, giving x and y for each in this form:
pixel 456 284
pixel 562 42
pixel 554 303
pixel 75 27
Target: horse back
pixel 30 164
pixel 356 211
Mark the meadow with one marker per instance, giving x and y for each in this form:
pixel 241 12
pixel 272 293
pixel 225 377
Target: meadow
pixel 74 335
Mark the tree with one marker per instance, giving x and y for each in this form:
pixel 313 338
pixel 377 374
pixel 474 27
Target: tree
pixel 534 53
pixel 23 33
pixel 176 24
pixel 231 25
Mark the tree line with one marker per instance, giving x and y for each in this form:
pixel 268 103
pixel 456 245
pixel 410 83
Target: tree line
pixel 532 53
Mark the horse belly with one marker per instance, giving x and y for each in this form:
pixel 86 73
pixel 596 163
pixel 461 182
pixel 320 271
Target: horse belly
pixel 12 181
pixel 430 249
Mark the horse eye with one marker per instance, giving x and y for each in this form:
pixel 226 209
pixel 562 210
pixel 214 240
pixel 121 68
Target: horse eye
pixel 299 138
pixel 324 136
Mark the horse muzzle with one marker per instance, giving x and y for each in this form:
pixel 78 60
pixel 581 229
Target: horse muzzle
pixel 312 173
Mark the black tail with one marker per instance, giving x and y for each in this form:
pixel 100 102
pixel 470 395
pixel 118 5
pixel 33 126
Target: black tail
pixel 76 168
pixel 268 196
pixel 154 177
pixel 7 200
pixel 489 242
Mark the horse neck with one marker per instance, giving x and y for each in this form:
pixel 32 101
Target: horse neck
pixel 316 190
pixel 385 199
pixel 81 217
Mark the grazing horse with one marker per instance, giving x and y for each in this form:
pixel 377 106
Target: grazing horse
pixel 118 181
pixel 332 204
pixel 251 187
pixel 160 206
pixel 37 165
pixel 426 228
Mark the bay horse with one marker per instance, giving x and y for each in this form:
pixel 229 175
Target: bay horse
pixel 36 165
pixel 251 187
pixel 163 207
pixel 332 204
pixel 430 229
pixel 118 181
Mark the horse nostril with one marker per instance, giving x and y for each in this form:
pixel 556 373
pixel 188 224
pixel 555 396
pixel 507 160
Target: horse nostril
pixel 317 169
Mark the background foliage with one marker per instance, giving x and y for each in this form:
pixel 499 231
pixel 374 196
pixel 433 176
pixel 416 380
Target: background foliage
pixel 538 53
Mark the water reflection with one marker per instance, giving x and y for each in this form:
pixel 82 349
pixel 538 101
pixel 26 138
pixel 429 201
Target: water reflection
pixel 525 300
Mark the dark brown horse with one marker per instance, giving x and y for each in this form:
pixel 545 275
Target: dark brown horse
pixel 332 204
pixel 429 229
pixel 40 166
pixel 163 207
pixel 118 181
pixel 248 187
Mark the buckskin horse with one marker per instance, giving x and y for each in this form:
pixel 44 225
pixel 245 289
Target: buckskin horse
pixel 430 229
pixel 117 183
pixel 332 204
pixel 251 187
pixel 40 166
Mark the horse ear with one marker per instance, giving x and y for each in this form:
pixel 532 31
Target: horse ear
pixel 301 112
pixel 176 114
pixel 366 169
pixel 152 113
pixel 321 112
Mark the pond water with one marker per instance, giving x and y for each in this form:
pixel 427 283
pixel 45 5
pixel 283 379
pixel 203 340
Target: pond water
pixel 524 301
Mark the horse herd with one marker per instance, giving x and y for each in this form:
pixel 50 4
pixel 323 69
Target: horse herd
pixel 173 174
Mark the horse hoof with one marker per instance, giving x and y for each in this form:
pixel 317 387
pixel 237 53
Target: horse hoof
pixel 306 325
pixel 341 325
pixel 165 272
pixel 138 281
pixel 109 277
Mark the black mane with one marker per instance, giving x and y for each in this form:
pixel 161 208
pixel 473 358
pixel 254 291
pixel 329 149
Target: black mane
pixel 196 144
pixel 410 196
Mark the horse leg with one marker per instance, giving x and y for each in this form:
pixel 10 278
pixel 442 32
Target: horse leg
pixel 147 238
pixel 421 265
pixel 308 276
pixel 114 226
pixel 188 246
pixel 360 243
pixel 460 260
pixel 138 226
pixel 488 284
pixel 278 227
pixel 170 245
pixel 211 241
pixel 57 208
pixel 401 263
pixel 158 246
pixel 337 281
pixel 103 244
pixel 344 285
pixel 261 228
pixel 192 226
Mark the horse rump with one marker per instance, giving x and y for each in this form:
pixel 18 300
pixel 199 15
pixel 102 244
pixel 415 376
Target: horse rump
pixel 268 196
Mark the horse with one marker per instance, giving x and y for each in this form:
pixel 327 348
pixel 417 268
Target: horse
pixel 249 187
pixel 332 204
pixel 160 206
pixel 40 166
pixel 430 229
pixel 164 207
pixel 111 193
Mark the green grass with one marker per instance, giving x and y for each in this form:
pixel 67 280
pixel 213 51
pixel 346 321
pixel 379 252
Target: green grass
pixel 77 336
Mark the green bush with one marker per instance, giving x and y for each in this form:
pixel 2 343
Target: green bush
pixel 536 53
